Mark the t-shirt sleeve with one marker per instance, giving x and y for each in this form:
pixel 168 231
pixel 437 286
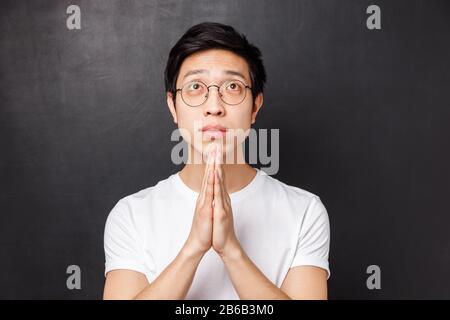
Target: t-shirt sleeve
pixel 314 237
pixel 123 247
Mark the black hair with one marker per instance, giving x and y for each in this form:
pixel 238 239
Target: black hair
pixel 213 35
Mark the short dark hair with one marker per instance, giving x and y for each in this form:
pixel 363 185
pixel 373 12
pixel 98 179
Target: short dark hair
pixel 213 35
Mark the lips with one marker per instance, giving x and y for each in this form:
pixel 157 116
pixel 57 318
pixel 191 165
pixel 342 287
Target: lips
pixel 214 131
pixel 214 128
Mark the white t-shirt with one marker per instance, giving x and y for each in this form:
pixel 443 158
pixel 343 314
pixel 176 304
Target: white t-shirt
pixel 279 226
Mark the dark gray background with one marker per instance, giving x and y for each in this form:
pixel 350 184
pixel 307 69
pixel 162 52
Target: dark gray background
pixel 363 118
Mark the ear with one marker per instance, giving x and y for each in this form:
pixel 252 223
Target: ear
pixel 256 106
pixel 171 106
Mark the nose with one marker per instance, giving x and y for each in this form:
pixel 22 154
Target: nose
pixel 214 104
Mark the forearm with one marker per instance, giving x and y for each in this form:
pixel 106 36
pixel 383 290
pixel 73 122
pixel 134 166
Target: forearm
pixel 176 279
pixel 249 282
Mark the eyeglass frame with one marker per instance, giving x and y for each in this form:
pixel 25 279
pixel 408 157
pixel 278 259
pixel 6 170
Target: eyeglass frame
pixel 218 91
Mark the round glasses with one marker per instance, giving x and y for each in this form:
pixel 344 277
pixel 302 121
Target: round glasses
pixel 195 93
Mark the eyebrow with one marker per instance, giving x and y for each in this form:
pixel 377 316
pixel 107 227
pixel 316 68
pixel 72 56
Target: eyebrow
pixel 193 72
pixel 227 72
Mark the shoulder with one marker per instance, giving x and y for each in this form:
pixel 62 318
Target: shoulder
pixel 293 202
pixel 132 206
pixel 289 193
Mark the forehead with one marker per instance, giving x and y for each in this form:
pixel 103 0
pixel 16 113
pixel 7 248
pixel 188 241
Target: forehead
pixel 214 64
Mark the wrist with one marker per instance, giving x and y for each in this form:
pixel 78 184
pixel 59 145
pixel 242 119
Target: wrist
pixel 191 252
pixel 233 252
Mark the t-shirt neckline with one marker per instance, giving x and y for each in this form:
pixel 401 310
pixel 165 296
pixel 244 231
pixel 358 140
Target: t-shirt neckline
pixel 234 196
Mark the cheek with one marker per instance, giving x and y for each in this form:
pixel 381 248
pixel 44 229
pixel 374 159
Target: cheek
pixel 189 122
pixel 242 118
pixel 241 123
pixel 186 118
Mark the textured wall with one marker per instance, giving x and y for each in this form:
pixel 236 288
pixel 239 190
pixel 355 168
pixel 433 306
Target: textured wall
pixel 363 118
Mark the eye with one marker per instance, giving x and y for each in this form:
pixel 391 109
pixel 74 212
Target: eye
pixel 194 88
pixel 234 87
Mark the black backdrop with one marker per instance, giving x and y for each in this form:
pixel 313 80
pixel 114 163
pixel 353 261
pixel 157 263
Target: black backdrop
pixel 363 118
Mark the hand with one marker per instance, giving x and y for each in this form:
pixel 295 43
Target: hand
pixel 224 239
pixel 200 236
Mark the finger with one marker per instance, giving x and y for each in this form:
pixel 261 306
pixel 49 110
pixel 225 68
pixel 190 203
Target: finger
pixel 219 154
pixel 218 200
pixel 218 163
pixel 219 157
pixel 209 189
pixel 209 192
pixel 208 172
pixel 225 195
pixel 218 192
pixel 219 167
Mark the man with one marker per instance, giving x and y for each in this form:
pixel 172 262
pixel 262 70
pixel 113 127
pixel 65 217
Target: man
pixel 216 230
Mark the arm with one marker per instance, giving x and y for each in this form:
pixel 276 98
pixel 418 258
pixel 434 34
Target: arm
pixel 302 282
pixel 176 279
pixel 173 283
pixel 248 280
pixel 306 283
